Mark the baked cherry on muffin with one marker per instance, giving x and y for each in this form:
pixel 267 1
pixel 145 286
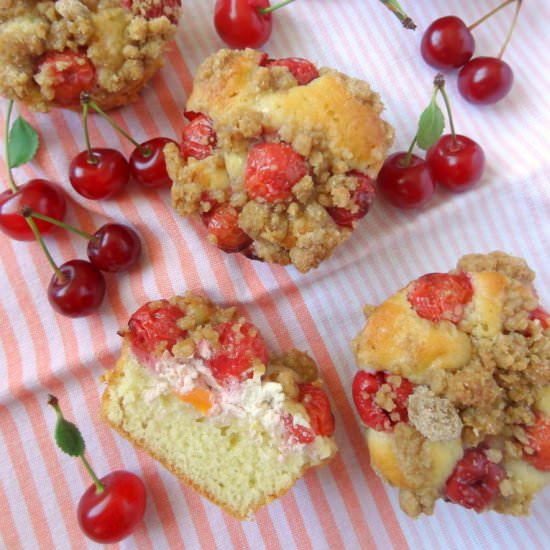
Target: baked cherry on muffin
pixel 455 387
pixel 51 51
pixel 196 388
pixel 278 156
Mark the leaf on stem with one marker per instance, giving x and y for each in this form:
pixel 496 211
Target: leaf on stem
pixel 22 143
pixel 430 126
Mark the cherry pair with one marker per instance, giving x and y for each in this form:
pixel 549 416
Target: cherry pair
pixel 454 161
pixel 99 172
pixel 448 44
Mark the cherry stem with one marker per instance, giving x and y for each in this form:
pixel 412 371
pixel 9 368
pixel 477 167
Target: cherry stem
pixel 38 237
pixel 99 487
pixel 92 159
pixel 54 402
pixel 407 160
pixel 512 27
pixel 439 83
pixel 490 14
pixel 86 100
pixel 27 212
pixel 11 181
pixel 399 12
pixel 265 11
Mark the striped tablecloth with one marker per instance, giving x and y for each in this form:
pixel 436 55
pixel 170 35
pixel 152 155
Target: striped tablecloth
pixel 343 505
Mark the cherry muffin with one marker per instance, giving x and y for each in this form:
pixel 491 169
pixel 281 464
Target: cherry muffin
pixel 196 388
pixel 455 387
pixel 52 51
pixel 278 157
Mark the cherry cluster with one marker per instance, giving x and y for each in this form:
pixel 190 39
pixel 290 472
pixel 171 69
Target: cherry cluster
pixel 29 211
pixel 453 161
pixel 449 44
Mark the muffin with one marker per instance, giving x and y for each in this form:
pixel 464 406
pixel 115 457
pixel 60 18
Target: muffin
pixel 278 157
pixel 455 387
pixel 52 51
pixel 196 389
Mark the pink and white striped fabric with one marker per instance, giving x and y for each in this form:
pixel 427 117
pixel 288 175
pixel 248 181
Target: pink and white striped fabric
pixel 344 505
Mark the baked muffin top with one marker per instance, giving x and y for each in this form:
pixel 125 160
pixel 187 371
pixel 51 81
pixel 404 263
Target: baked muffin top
pixel 279 153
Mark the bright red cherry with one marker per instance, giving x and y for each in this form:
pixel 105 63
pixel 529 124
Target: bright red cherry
pixel 538 442
pixel 363 196
pixel 447 43
pixel 198 138
pixel 113 514
pixel 456 162
pixel 79 290
pixel 240 24
pixel 475 481
pixel 241 344
pixel 272 169
pixel 101 177
pixel 147 163
pixel 154 326
pixel 405 186
pixel 364 389
pixel 68 73
pixel 317 405
pixel 223 224
pixel 115 247
pixel 41 196
pixel 485 80
pixel 302 70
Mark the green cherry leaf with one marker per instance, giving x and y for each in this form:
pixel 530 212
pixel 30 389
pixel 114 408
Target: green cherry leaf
pixel 68 438
pixel 22 143
pixel 430 126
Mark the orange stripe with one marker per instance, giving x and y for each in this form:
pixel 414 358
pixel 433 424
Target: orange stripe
pixel 8 533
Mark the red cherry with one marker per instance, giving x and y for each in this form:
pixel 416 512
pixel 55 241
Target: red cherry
pixel 542 316
pixel 410 186
pixel 475 481
pixel 538 436
pixel 41 196
pixel 222 224
pixel 297 433
pixel 272 169
pixel 198 137
pixel 447 43
pixel 317 405
pixel 485 80
pixel 363 196
pixel 441 296
pixel 303 70
pixel 115 247
pixel 154 326
pixel 149 169
pixel 240 345
pixel 101 178
pixel 79 291
pixel 240 24
pixel 364 388
pixel 456 162
pixel 113 514
pixel 68 74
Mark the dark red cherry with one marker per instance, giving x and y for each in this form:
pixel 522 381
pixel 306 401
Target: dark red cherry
pixel 41 196
pixel 147 163
pixel 447 43
pixel 485 80
pixel 99 177
pixel 405 185
pixel 79 290
pixel 456 163
pixel 115 247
